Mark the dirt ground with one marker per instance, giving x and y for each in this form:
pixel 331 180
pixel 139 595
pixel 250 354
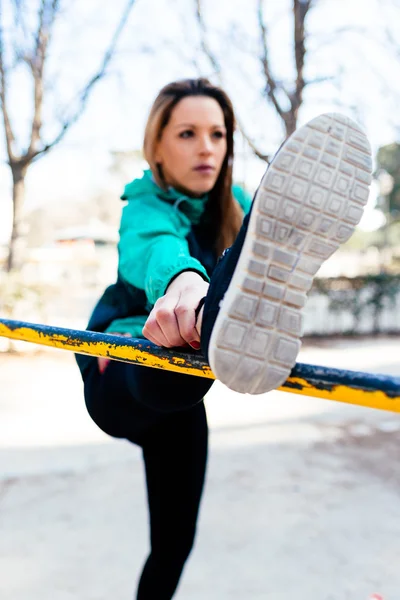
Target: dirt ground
pixel 302 499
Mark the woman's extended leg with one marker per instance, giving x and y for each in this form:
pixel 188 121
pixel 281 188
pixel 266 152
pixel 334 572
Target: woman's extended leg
pixel 308 203
pixel 175 455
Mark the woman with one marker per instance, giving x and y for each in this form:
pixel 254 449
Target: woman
pixel 243 312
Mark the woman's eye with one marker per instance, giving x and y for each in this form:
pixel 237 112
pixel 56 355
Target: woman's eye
pixel 218 134
pixel 186 134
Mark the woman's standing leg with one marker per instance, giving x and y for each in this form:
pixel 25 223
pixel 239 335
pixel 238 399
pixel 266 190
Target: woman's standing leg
pixel 175 456
pixel 122 401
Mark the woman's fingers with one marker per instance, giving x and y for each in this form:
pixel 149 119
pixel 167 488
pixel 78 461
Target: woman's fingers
pixel 186 317
pixel 172 321
pixel 102 363
pixel 161 326
pixel 169 325
pixel 153 332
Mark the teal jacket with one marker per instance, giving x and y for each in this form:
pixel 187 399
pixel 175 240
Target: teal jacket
pixel 154 241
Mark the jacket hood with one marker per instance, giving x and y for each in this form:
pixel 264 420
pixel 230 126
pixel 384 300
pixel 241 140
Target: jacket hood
pixel 146 186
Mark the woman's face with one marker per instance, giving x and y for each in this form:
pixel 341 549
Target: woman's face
pixel 193 146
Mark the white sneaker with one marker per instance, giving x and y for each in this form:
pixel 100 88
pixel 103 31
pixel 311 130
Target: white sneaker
pixel 308 203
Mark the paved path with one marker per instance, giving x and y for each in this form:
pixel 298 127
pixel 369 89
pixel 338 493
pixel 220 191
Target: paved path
pixel 302 498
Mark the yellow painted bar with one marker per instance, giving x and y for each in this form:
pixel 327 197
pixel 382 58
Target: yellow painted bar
pixel 363 389
pixel 349 394
pixel 91 343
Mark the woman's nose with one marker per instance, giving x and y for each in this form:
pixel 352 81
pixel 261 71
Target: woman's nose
pixel 206 145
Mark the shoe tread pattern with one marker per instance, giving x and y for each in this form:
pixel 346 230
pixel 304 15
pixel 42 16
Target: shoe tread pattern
pixel 308 203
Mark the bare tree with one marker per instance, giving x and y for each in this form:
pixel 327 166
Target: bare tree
pixel 35 58
pixel 295 94
pixel 278 94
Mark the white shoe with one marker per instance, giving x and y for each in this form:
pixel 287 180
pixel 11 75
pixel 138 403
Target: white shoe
pixel 309 201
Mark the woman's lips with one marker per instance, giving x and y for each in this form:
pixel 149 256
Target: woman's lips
pixel 204 169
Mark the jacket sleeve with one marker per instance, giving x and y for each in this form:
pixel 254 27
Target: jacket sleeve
pixel 153 248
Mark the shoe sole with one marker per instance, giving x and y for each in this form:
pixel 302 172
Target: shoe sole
pixel 308 203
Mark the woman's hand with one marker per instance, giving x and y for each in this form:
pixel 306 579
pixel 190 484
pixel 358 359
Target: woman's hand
pixel 172 322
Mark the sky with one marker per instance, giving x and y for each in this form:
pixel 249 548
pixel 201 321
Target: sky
pixel 157 47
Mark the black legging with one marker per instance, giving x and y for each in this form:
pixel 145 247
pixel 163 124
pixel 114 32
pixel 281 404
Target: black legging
pixel 162 412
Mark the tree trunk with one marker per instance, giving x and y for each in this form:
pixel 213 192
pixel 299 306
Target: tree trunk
pixel 17 245
pixel 290 122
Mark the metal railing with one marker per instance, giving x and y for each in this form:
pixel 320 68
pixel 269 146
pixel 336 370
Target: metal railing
pixel 364 389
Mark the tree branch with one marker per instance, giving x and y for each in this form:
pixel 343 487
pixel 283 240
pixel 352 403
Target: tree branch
pixel 19 11
pixel 47 14
pixel 85 93
pixel 270 81
pixel 203 40
pixel 300 10
pixel 9 134
pixel 218 72
pixel 19 25
pixel 317 80
pixel 251 144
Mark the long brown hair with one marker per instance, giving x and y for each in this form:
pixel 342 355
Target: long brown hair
pixel 223 212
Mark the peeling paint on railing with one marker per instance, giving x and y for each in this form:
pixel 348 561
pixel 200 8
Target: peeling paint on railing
pixel 364 389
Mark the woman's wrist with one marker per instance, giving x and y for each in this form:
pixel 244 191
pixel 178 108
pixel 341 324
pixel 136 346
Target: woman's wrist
pixel 185 279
